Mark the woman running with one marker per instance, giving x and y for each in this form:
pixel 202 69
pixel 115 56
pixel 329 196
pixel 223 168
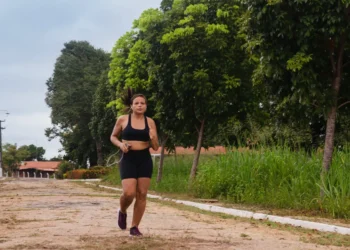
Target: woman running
pixel 138 134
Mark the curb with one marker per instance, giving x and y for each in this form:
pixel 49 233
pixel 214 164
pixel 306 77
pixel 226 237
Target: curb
pixel 251 215
pixel 82 180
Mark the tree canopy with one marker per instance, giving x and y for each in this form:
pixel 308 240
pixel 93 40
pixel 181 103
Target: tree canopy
pixel 35 153
pixel 70 95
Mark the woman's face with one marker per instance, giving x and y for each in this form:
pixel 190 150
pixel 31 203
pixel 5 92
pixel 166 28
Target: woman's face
pixel 139 105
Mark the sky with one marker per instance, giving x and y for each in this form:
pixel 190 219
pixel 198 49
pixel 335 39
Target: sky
pixel 32 35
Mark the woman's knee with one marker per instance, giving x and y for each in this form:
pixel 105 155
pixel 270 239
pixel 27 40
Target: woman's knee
pixel 142 194
pixel 129 194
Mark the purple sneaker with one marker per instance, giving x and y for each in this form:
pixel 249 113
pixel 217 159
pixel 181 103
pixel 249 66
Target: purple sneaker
pixel 122 220
pixel 134 231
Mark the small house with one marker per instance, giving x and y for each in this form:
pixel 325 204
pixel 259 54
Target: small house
pixel 38 168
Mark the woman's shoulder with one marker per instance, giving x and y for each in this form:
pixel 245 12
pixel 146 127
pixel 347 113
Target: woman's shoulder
pixel 150 120
pixel 122 118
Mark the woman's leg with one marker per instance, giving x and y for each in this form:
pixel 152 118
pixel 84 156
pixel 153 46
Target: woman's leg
pixel 128 195
pixel 129 190
pixel 143 184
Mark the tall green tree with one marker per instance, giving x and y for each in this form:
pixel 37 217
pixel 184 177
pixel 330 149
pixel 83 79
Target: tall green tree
pixel 211 80
pixel 70 94
pixel 302 48
pixel 103 118
pixel 12 156
pixel 152 25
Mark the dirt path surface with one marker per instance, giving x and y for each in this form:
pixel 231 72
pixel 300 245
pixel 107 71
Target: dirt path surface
pixel 52 214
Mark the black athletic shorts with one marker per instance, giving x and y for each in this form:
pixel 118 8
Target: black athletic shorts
pixel 136 164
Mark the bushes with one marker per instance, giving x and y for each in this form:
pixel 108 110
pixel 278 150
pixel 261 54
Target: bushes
pixel 92 173
pixel 95 173
pixel 75 174
pixel 63 168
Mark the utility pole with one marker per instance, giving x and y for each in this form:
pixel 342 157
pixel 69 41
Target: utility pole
pixel 1 128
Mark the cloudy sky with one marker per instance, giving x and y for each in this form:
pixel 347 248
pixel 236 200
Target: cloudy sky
pixel 32 34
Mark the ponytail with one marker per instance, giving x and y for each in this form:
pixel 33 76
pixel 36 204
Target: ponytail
pixel 126 98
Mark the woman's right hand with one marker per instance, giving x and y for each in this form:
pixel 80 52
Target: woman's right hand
pixel 124 147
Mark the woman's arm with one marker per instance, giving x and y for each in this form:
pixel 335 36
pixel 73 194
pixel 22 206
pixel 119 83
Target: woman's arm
pixel 153 134
pixel 115 133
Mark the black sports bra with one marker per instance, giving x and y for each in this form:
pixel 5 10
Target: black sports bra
pixel 131 134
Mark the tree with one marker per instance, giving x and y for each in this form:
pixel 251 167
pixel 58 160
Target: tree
pixel 70 96
pixel 12 156
pixel 152 25
pixel 303 50
pixel 211 81
pixel 103 118
pixel 36 153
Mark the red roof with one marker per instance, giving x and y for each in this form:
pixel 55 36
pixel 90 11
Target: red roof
pixel 40 165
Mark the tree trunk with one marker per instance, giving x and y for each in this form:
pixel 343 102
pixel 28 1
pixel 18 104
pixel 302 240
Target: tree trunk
pixel 175 154
pixel 330 130
pixel 337 69
pixel 198 151
pixel 161 162
pixel 99 153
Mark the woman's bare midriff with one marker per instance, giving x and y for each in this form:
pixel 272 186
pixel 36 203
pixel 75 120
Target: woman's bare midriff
pixel 137 145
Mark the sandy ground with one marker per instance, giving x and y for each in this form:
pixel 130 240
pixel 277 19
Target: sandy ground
pixel 53 214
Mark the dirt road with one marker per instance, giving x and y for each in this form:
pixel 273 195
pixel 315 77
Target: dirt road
pixel 53 214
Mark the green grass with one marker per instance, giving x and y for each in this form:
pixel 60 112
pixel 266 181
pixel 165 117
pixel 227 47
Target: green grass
pixel 275 178
pixel 278 178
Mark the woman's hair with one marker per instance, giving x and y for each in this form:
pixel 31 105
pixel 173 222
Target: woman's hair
pixel 128 98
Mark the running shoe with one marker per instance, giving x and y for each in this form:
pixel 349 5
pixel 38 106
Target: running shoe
pixel 134 231
pixel 122 220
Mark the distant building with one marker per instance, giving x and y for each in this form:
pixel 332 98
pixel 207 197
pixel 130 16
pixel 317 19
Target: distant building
pixel 43 167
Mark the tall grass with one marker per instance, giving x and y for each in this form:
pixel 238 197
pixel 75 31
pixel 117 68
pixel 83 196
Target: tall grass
pixel 272 177
pixel 336 186
pixel 176 174
pixel 278 178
